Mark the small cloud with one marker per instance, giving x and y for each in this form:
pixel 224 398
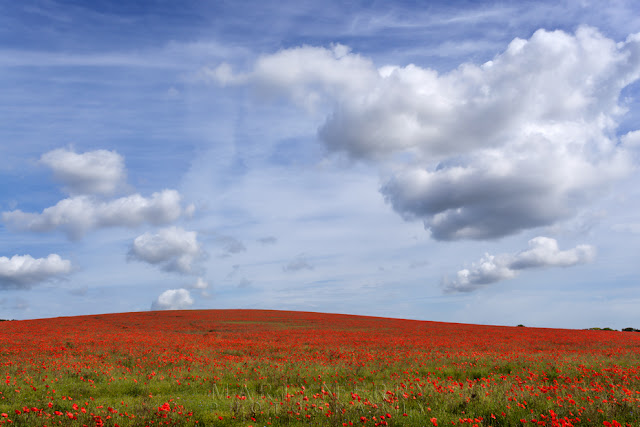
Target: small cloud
pixel 173 249
pixel 222 74
pixel 200 284
pixel 300 263
pixel 543 252
pixel 77 215
pixel 269 240
pixel 93 172
pixel 173 299
pixel 22 271
pixel 230 245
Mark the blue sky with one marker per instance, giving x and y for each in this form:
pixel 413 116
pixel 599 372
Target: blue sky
pixel 469 162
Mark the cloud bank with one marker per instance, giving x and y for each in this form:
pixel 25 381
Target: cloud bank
pixel 173 299
pixel 93 172
pixel 22 271
pixel 542 252
pixel 173 249
pixel 77 215
pixel 483 151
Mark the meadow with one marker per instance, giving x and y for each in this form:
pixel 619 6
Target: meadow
pixel 260 368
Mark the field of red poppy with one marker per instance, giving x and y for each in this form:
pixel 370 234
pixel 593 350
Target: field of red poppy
pixel 259 368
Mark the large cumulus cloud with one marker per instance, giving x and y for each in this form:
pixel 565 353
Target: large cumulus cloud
pixel 482 151
pixel 23 271
pixel 543 252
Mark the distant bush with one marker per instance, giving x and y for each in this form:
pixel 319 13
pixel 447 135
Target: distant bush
pixel 602 329
pixel 520 326
pixel 631 330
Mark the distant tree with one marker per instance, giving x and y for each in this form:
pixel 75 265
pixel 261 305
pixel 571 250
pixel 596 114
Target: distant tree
pixel 520 326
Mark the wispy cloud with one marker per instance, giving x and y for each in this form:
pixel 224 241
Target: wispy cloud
pixel 230 245
pixel 22 58
pixel 269 240
pixel 299 263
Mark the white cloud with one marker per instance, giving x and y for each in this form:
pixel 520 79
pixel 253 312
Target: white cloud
pixel 483 151
pixel 307 75
pixel 22 271
pixel 200 284
pixel 173 248
pixel 79 214
pixel 93 172
pixel 631 140
pixel 173 299
pixel 542 252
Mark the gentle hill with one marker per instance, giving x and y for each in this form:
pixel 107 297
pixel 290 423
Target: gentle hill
pixel 259 367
